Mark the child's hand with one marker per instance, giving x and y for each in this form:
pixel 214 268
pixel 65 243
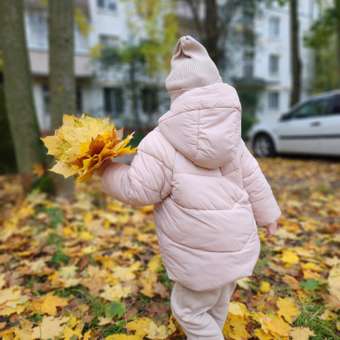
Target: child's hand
pixel 106 163
pixel 271 228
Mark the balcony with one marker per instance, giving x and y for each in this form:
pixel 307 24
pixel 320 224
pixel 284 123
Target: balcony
pixel 40 67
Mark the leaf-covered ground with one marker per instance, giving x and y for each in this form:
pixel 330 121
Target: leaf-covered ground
pixel 91 269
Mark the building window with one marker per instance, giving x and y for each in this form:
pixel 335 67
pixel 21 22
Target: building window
pixel 109 5
pixel 108 40
pixel 80 41
pixel 248 63
pixel 274 64
pixel 274 27
pixel 150 102
pixel 274 100
pixel 37 30
pixel 113 101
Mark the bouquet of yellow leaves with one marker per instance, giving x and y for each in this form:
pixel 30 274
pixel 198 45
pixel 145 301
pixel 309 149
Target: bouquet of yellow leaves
pixel 82 144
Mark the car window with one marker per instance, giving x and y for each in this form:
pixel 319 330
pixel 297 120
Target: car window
pixel 314 108
pixel 335 105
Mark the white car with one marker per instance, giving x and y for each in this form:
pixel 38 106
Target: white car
pixel 311 127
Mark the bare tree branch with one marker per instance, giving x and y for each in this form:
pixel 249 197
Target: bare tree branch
pixel 195 6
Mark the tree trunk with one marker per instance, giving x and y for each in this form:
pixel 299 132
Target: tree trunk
pixel 134 93
pixel 337 13
pixel 62 77
pixel 296 65
pixel 212 31
pixel 214 25
pixel 18 89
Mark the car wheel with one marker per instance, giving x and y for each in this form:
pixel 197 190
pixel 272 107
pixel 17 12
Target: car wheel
pixel 263 146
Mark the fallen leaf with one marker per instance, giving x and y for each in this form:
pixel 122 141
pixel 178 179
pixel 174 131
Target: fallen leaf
pixel 287 309
pixel 301 333
pixel 50 327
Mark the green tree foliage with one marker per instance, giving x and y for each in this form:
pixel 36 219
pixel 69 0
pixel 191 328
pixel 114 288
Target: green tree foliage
pixel 153 29
pixel 324 38
pixel 155 24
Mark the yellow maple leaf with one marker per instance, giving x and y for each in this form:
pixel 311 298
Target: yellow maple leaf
pixel 236 328
pixel 276 325
pixel 261 335
pixel 238 309
pixel 148 280
pixel 311 266
pixel 12 301
pixel 123 337
pixel 265 287
pixel 308 274
pixel 155 263
pixel 289 257
pixel 9 294
pixel 82 144
pixel 140 326
pixel 236 324
pixel 23 334
pixel 48 304
pixel 157 332
pixel 85 236
pixel 146 327
pixel 50 328
pixel 126 273
pixel 301 333
pixel 272 324
pixel 115 293
pixel 287 309
pixel 328 315
pixel 73 329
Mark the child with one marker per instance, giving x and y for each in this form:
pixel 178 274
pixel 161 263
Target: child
pixel 208 190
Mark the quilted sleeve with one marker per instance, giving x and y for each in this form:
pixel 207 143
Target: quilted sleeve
pixel 147 180
pixel 264 205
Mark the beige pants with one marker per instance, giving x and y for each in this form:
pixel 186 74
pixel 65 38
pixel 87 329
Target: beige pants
pixel 201 314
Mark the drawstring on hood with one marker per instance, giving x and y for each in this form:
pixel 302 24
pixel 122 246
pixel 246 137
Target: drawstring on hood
pixel 191 67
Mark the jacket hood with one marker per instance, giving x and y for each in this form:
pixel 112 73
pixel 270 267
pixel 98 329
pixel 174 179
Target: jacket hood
pixel 204 124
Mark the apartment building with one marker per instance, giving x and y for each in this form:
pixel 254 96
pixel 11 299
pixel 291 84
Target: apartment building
pixel 103 91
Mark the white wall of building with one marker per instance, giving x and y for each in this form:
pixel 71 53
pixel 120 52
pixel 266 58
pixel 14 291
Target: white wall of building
pixel 271 43
pixel 107 21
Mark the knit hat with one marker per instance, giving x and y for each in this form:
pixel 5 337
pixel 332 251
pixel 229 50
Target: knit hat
pixel 191 66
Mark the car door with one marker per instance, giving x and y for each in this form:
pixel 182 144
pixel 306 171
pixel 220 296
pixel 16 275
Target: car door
pixel 329 131
pixel 300 131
